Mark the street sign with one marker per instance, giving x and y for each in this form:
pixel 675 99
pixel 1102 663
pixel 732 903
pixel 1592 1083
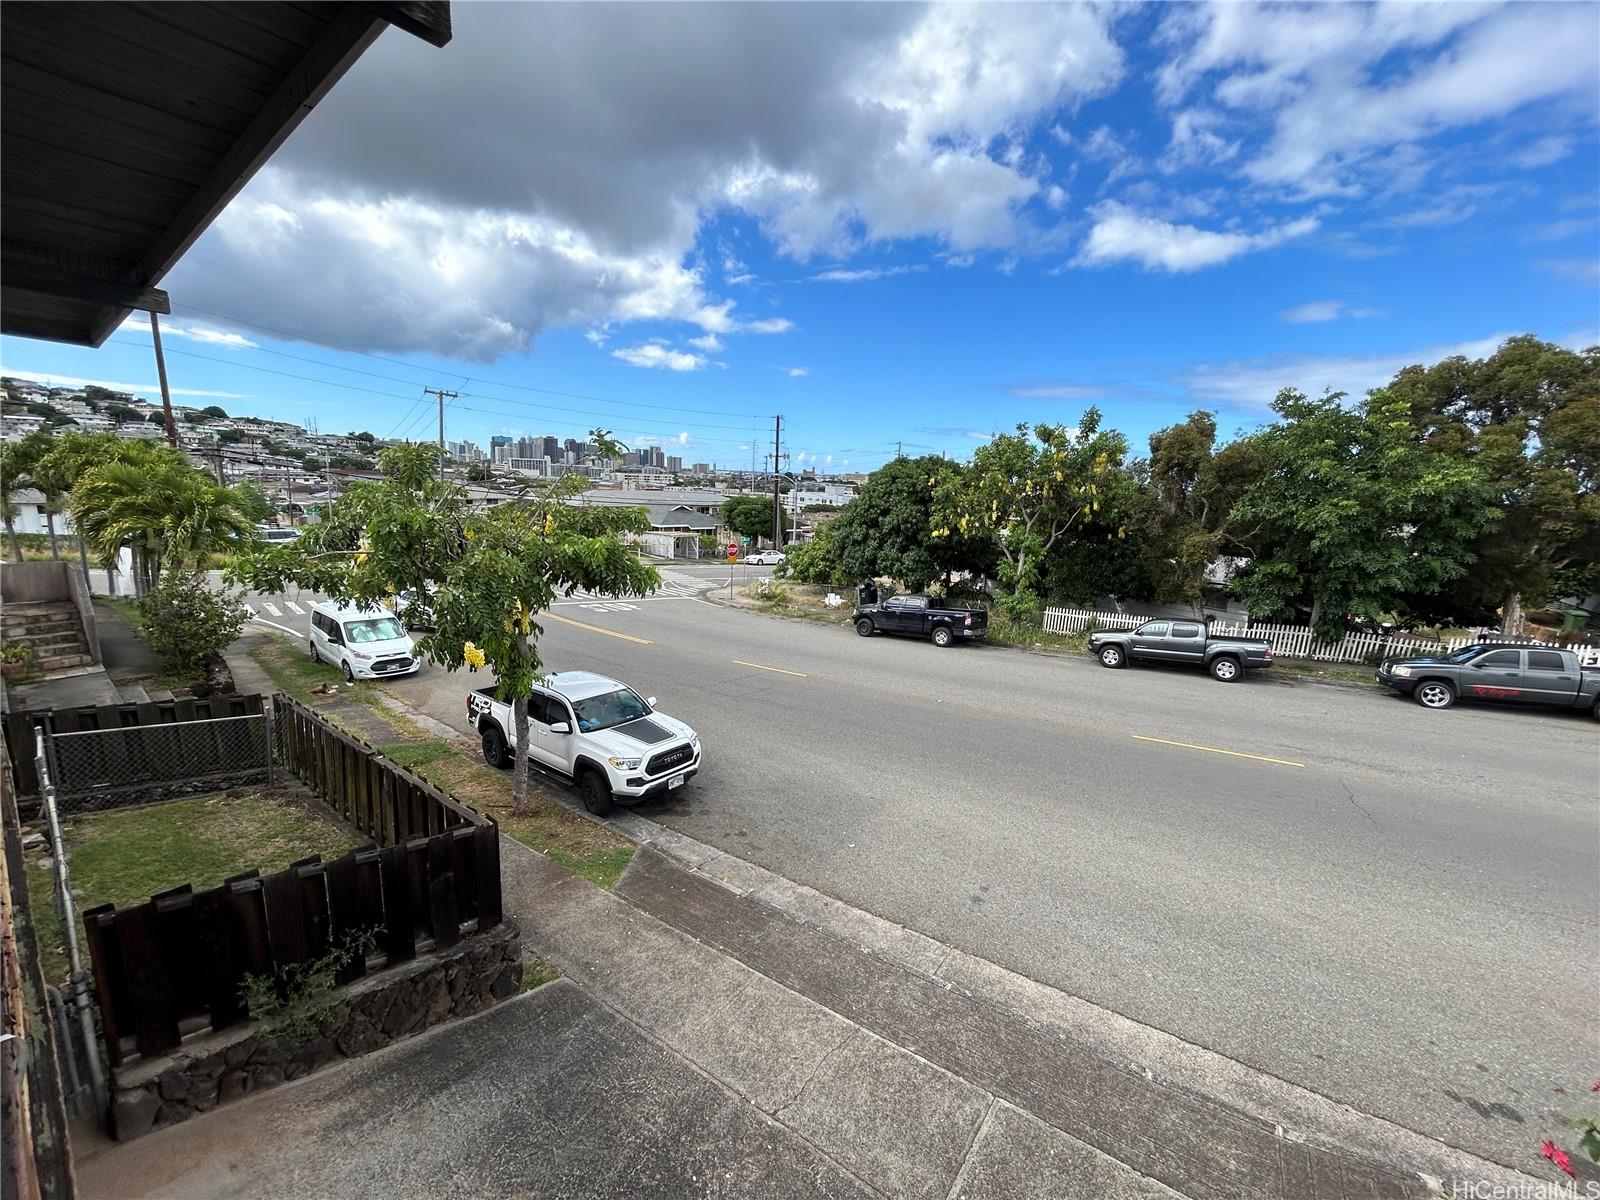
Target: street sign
pixel 745 540
pixel 733 552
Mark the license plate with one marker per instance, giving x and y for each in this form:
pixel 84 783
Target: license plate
pixel 675 782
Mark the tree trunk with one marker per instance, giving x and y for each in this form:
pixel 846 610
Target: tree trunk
pixel 1511 613
pixel 83 561
pixel 1316 615
pixel 11 536
pixel 519 773
pixel 519 725
pixel 50 524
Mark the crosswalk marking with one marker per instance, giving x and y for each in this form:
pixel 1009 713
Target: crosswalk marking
pixel 272 608
pixel 295 607
pixel 250 610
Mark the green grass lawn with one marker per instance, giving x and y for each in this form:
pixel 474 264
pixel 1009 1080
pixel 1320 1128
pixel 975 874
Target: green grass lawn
pixel 123 858
pixel 290 668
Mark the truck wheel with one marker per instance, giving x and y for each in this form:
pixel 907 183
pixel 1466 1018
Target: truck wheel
pixel 494 748
pixel 942 636
pixel 1595 711
pixel 1435 693
pixel 315 657
pixel 864 627
pixel 349 675
pixel 1225 669
pixel 1112 656
pixel 596 793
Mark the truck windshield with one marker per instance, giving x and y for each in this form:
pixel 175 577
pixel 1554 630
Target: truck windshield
pixel 1465 654
pixel 608 709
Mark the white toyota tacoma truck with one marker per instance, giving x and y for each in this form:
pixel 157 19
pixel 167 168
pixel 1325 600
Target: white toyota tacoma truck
pixel 597 734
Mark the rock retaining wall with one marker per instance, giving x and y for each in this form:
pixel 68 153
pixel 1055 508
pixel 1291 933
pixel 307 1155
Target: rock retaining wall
pixel 392 1004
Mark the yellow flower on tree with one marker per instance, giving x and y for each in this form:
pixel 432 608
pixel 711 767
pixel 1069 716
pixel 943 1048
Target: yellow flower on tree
pixel 473 656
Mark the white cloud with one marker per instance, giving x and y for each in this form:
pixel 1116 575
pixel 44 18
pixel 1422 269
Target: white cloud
pixel 710 343
pixel 864 274
pixel 795 372
pixel 193 333
pixel 1315 311
pixel 685 440
pixel 1054 390
pixel 1251 385
pixel 1584 270
pixel 769 325
pixel 741 279
pixel 1341 88
pixel 1544 152
pixel 654 354
pixel 1560 231
pixel 148 391
pixel 1195 142
pixel 597 335
pixel 1121 235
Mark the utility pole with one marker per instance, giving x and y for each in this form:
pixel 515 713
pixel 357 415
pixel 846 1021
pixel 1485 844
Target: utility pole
pixel 443 395
pixel 166 395
pixel 897 453
pixel 777 506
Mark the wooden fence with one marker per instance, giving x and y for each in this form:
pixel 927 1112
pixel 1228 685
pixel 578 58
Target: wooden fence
pixel 175 964
pixel 381 799
pixel 19 727
pixel 1298 641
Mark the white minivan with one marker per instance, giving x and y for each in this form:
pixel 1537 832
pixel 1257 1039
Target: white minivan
pixel 368 643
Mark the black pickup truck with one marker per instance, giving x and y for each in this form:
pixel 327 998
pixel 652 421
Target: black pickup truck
pixel 1186 643
pixel 921 616
pixel 1543 675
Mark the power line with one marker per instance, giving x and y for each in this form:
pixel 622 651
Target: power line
pixel 708 412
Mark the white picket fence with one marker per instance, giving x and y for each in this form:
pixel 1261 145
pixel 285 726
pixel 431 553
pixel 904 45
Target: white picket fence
pixel 1298 641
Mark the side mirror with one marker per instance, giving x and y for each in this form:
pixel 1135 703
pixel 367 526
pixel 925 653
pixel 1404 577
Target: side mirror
pixel 561 727
pixel 650 700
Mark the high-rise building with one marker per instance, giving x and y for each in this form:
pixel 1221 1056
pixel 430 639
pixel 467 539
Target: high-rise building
pixel 552 448
pixel 499 439
pixel 674 464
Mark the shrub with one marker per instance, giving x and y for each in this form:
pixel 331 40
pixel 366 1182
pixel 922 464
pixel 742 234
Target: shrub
pixel 186 622
pixel 812 562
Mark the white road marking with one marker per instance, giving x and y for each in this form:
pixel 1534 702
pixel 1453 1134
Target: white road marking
pixel 250 610
pixel 294 633
pixel 271 608
pixel 295 607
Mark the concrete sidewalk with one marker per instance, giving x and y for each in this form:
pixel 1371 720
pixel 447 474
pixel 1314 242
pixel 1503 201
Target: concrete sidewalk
pixel 724 1033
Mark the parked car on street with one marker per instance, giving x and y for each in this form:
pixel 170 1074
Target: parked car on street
pixel 366 643
pixel 595 733
pixel 764 558
pixel 1186 643
pixel 1499 673
pixel 922 616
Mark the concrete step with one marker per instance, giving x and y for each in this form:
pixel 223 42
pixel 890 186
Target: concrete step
pixel 61 662
pixel 40 639
pixel 49 620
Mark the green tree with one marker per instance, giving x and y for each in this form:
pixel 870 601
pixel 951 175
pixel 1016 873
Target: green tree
pixel 363 436
pixel 229 437
pixel 212 410
pixel 71 457
pixel 123 413
pixel 1027 490
pixel 1353 512
pixel 816 561
pixel 477 473
pixel 482 576
pixel 751 516
pixel 187 622
pixel 887 532
pixel 1529 417
pixel 1182 518
pixel 254 504
pixel 18 463
pixel 150 499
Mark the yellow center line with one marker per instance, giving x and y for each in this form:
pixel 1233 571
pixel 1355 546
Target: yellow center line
pixel 1282 762
pixel 627 637
pixel 777 670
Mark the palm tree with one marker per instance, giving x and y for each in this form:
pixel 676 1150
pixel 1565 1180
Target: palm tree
pixel 17 463
pixel 171 515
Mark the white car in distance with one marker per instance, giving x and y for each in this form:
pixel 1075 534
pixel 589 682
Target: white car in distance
pixel 764 558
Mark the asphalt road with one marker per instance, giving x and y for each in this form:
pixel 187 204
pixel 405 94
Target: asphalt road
pixel 1397 908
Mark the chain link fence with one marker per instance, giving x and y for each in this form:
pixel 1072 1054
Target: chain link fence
pixel 97 769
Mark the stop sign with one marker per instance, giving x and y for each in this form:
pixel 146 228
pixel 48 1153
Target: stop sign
pixel 733 551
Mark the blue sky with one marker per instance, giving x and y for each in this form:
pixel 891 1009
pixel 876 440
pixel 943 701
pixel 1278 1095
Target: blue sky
pixel 893 223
